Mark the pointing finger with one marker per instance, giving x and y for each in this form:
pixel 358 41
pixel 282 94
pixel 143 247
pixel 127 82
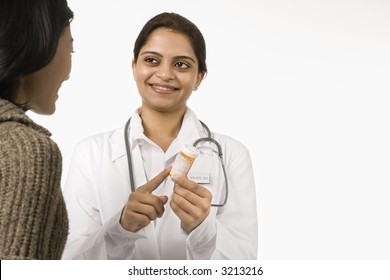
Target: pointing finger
pixel 150 186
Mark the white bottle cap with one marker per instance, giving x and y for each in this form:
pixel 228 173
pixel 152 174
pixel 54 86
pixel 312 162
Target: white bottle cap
pixel 190 151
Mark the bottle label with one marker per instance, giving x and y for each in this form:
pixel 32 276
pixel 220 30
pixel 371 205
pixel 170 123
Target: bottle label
pixel 182 164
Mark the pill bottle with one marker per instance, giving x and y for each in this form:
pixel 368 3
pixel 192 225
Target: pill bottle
pixel 184 160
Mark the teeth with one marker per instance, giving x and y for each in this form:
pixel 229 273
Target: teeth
pixel 163 88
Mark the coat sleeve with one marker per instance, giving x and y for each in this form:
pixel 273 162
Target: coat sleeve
pixel 89 237
pixel 231 231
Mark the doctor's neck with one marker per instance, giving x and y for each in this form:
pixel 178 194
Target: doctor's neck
pixel 161 127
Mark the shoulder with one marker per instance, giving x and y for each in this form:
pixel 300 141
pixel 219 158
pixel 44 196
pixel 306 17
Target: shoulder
pixel 97 140
pixel 18 138
pixel 29 158
pixel 232 149
pixel 98 145
pixel 229 141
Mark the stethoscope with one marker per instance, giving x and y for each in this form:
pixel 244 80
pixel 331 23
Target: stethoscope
pixel 200 140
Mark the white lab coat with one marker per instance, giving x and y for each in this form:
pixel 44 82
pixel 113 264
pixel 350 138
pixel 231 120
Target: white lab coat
pixel 98 186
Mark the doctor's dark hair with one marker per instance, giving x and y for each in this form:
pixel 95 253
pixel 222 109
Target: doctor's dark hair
pixel 176 23
pixel 29 35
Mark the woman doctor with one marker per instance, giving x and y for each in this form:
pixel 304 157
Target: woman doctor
pixel 164 218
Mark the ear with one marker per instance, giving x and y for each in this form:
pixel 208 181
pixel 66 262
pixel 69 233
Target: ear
pixel 199 80
pixel 133 65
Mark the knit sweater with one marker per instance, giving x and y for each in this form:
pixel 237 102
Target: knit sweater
pixel 33 217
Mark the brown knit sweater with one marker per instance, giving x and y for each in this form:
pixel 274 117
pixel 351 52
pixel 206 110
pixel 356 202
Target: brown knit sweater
pixel 33 217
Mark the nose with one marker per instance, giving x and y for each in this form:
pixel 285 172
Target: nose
pixel 165 72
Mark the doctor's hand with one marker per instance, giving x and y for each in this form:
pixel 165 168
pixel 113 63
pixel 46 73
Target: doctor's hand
pixel 142 206
pixel 190 202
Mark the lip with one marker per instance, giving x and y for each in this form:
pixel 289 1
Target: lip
pixel 165 89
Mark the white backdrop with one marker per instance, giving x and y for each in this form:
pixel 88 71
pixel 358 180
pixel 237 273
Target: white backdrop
pixel 303 84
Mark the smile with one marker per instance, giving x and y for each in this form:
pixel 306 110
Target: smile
pixel 161 88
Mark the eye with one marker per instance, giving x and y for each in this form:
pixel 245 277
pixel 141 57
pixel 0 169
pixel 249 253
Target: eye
pixel 182 65
pixel 151 60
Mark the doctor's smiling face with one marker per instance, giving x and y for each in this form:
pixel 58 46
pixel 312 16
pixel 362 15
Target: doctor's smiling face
pixel 166 70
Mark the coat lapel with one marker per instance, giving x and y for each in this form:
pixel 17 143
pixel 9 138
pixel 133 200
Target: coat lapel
pixel 146 248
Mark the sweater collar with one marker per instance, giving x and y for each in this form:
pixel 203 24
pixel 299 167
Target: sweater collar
pixel 9 112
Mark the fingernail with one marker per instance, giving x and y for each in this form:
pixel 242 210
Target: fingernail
pixel 174 178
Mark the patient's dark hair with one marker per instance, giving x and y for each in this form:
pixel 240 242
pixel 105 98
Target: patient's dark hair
pixel 176 23
pixel 29 35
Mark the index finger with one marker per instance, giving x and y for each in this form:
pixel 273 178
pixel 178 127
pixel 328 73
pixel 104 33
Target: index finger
pixel 150 186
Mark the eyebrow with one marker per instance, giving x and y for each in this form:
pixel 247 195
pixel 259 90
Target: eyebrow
pixel 175 57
